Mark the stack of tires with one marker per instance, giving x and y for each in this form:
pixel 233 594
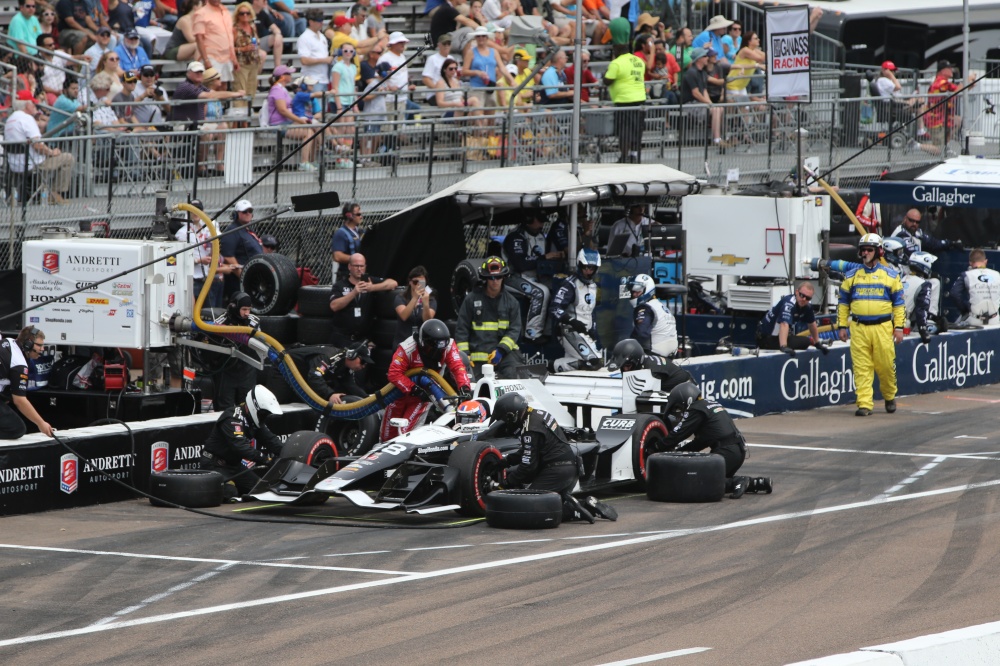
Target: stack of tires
pixel 383 334
pixel 315 317
pixel 272 282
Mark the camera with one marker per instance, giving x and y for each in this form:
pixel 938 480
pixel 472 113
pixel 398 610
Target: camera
pixel 365 277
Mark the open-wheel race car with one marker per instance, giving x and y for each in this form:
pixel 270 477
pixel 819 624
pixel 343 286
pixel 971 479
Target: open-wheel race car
pixel 448 466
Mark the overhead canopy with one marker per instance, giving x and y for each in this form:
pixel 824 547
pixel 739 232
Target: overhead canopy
pixel 959 182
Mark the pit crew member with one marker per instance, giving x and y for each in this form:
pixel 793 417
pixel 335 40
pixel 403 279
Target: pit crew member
pixel 14 355
pixel 652 323
pixel 792 313
pixel 239 434
pixel 573 313
pixel 628 356
pixel 236 377
pixel 921 294
pixel 977 292
pixel 336 376
pixel 522 248
pixel 917 239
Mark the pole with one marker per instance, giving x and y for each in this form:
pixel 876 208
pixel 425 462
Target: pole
pixel 575 129
pixel 965 71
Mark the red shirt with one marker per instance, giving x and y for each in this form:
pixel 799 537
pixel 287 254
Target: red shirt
pixel 935 117
pixel 586 78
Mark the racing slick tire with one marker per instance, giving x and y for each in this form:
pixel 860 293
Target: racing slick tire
pixel 314 300
pixel 685 476
pixel 315 330
pixel 523 509
pixel 649 436
pixel 191 488
pixel 310 447
pixel 463 279
pixel 478 464
pixel 284 329
pixel 272 282
pixel 353 437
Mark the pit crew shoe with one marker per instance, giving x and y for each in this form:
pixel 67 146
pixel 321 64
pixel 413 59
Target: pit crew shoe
pixel 738 486
pixel 599 508
pixel 760 484
pixel 890 406
pixel 578 512
pixel 863 411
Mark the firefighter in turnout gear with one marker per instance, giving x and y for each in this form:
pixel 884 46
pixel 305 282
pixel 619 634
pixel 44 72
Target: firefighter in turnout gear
pixel 871 301
pixel 573 312
pixel 522 249
pixel 977 292
pixel 546 460
pixel 922 293
pixel 712 428
pixel 489 322
pixel 239 434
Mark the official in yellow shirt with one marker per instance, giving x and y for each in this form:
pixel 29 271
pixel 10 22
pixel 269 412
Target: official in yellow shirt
pixel 625 79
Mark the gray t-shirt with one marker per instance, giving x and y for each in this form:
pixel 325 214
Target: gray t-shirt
pixel 405 329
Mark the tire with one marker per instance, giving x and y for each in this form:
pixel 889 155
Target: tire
pixel 478 463
pixel 284 329
pixel 682 476
pixel 314 300
pixel 309 447
pixel 272 283
pixel 354 437
pixel 192 488
pixel 649 436
pixel 384 306
pixel 315 330
pixel 383 333
pixel 523 509
pixel 463 279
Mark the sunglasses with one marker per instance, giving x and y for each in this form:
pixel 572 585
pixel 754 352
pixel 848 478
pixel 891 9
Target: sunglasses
pixel 910 219
pixel 867 249
pixel 243 13
pixel 451 67
pixel 801 295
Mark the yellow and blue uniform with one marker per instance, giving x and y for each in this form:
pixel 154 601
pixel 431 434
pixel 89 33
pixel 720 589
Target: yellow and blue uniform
pixel 872 299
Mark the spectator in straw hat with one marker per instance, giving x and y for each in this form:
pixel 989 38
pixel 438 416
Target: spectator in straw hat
pixel 711 36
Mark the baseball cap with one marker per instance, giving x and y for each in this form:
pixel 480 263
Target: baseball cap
pixel 445 38
pixel 397 37
pixel 944 64
pixel 132 34
pixel 131 76
pixel 305 81
pixel 698 53
pixel 25 95
pixel 620 30
pixel 383 68
pixel 711 53
pixel 242 205
pixel 281 70
pixel 211 74
pixel 147 70
pixel 267 240
pixel 361 352
pixel 889 65
pixel 195 66
pixel 342 20
pixel 521 54
pixel 104 30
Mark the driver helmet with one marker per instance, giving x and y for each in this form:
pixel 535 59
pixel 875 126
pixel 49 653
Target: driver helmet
pixel 626 356
pixel 261 404
pixel 920 263
pixel 895 251
pixel 587 263
pixel 471 411
pixel 642 288
pixel 239 300
pixel 432 341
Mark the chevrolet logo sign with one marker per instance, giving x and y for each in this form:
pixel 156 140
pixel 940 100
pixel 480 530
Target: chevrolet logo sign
pixel 729 259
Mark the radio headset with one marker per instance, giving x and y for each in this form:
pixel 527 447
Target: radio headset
pixel 28 344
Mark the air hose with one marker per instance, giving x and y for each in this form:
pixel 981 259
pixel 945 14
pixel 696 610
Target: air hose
pixel 276 352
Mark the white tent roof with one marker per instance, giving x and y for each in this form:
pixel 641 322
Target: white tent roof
pixel 550 185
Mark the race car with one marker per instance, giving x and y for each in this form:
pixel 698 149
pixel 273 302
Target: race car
pixel 448 466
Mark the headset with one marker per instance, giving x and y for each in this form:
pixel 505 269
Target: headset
pixel 349 208
pixel 28 344
pixel 354 352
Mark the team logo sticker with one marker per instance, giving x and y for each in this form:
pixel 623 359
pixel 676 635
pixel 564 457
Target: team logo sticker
pixel 159 457
pixel 68 473
pixel 50 262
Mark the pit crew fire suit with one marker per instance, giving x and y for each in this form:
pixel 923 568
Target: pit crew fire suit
pixel 712 428
pixel 654 327
pixel 921 296
pixel 236 377
pixel 521 251
pixel 871 299
pixel 573 311
pixel 233 439
pixel 412 407
pixel 977 291
pixel 329 375
pixel 487 325
pixel 545 460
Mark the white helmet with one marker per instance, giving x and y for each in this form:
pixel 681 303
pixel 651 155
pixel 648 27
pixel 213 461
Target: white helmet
pixel 587 258
pixel 921 262
pixel 261 403
pixel 871 240
pixel 642 288
pixel 895 251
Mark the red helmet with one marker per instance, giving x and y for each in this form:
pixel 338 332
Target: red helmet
pixel 471 411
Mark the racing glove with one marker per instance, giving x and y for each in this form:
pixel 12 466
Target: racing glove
pixel 577 326
pixel 823 347
pixel 465 393
pixel 925 335
pixel 422 393
pixel 496 356
pixel 788 350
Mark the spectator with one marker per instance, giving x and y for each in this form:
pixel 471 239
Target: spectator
pixel 346 240
pixel 375 24
pixel 476 14
pixel 302 98
pixel 433 66
pixel 711 36
pixel 375 109
pixel 123 100
pixel 212 138
pixel 351 302
pixel 151 106
pixel 121 17
pixel 554 88
pixel 314 53
pixel 732 41
pixel 77 26
pixel 238 246
pixel 449 93
pixel 66 105
pixel 682 48
pixel 344 74
pixel 279 104
pixel 53 75
pixel 941 122
pixel 448 20
pixel 269 37
pixel 588 82
pixel 213 31
pixel 716 79
pixel 104 117
pixel 248 56
pixel 694 89
pixel 109 65
pixel 359 14
pixel 131 53
pixel 183 46
pixel 270 244
pixel 340 31
pixel 522 61
pixel 400 80
pixel 193 88
pixel 100 47
pixel 745 63
pixel 22 128
pixel 166 13
pixel 625 78
pixel 48 19
pixel 414 305
pixel 24 26
pixel 501 12
pixel 484 67
pixel 292 23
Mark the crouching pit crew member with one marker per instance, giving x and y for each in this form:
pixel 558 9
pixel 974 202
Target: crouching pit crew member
pixel 546 460
pixel 628 356
pixel 712 428
pixel 240 434
pixel 14 355
pixel 336 376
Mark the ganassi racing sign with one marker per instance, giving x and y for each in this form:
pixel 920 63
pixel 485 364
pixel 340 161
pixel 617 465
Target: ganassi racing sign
pixel 788 53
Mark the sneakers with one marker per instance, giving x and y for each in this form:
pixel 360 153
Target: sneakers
pixel 307 166
pixel 863 411
pixel 890 406
pixel 760 484
pixel 578 512
pixel 738 486
pixel 912 146
pixel 599 508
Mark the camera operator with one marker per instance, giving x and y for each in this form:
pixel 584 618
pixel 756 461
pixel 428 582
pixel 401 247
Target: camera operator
pixel 151 101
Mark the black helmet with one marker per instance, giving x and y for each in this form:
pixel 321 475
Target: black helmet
pixel 627 355
pixel 510 409
pixel 494 267
pixel 432 341
pixel 681 397
pixel 239 299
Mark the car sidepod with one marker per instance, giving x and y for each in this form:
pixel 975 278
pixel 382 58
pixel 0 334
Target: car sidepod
pixel 626 441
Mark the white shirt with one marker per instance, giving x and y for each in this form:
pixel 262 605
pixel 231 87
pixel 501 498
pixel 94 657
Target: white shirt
pixel 193 232
pixel 492 11
pixel 624 227
pixel 886 87
pixel 53 78
pixel 94 53
pixel 147 111
pixel 314 45
pixel 432 68
pixel 21 127
pixel 399 80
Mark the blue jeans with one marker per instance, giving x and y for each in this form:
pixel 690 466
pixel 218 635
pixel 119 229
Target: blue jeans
pixel 292 27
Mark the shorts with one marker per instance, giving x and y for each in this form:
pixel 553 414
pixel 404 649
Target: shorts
pixel 225 70
pixel 487 99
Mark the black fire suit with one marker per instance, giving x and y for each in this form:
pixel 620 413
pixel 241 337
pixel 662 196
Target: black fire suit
pixel 329 375
pixel 545 460
pixel 668 372
pixel 233 440
pixel 712 428
pixel 236 378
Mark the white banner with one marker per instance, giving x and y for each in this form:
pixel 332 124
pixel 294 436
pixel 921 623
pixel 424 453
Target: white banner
pixel 788 53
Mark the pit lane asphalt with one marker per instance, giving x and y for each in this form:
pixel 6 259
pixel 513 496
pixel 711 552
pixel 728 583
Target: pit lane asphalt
pixel 879 529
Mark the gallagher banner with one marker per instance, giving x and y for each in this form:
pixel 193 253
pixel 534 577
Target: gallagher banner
pixel 788 53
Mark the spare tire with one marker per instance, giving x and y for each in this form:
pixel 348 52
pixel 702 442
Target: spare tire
pixel 314 300
pixel 284 329
pixel 191 488
pixel 683 476
pixel 463 279
pixel 315 330
pixel 353 437
pixel 523 509
pixel 272 283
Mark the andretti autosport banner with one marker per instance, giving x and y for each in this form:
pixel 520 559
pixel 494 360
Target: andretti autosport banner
pixel 776 382
pixel 788 53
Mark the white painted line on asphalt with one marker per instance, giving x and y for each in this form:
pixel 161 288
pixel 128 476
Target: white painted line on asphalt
pixel 251 563
pixel 905 454
pixel 657 657
pixel 163 595
pixel 363 552
pixel 913 477
pixel 969 437
pixel 458 545
pixel 650 538
pixel 507 543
